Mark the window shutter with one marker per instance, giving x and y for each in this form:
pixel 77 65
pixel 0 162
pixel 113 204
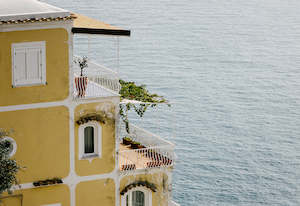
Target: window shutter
pixel 33 65
pixel 29 63
pixel 19 65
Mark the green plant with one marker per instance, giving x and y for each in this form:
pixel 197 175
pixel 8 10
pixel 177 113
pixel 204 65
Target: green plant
pixel 52 181
pixel 131 91
pixel 82 63
pixel 136 143
pixel 127 138
pixel 127 141
pixel 8 166
pixel 138 183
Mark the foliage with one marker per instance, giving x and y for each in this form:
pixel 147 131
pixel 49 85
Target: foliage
pixel 127 138
pixel 136 143
pixel 101 117
pixel 8 166
pixel 82 63
pixel 52 181
pixel 131 91
pixel 139 183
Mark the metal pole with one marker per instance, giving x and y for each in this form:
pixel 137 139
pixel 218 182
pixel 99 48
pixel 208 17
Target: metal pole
pixel 118 55
pixel 89 45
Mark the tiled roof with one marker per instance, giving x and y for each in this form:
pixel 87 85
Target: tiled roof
pixel 24 11
pixel 32 20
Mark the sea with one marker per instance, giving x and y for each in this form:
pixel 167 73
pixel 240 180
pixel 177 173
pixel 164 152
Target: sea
pixel 231 70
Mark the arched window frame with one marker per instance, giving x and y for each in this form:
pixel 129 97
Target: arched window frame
pixel 97 140
pixel 147 192
pixel 13 142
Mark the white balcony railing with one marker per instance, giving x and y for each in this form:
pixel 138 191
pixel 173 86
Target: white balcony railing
pixel 157 152
pixel 147 138
pixel 99 77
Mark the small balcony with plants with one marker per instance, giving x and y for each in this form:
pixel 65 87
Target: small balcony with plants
pixel 139 148
pixel 92 80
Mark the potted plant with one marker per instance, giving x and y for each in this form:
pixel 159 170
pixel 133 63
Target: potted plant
pixel 141 146
pixel 127 141
pixel 36 184
pixel 58 180
pixel 81 81
pixel 135 145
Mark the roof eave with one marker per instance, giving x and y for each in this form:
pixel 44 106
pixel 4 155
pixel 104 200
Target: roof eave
pixel 113 32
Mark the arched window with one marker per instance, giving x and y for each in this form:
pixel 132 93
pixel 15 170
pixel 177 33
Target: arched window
pixel 90 140
pixel 138 196
pixel 89 137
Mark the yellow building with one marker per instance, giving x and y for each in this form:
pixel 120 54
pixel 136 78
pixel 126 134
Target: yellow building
pixel 68 138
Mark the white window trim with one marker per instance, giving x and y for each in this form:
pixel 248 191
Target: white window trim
pixel 39 44
pixel 146 191
pixel 14 144
pixel 97 140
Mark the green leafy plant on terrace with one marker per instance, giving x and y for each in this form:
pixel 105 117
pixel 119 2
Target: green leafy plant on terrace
pixel 131 91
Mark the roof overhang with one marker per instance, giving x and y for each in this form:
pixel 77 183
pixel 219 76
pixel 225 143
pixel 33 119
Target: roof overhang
pixel 86 25
pixel 29 11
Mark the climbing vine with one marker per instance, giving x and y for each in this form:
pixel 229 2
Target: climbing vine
pixel 131 91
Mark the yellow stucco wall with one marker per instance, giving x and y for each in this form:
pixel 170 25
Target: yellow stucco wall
pixel 42 137
pixel 106 162
pixel 57 67
pixel 95 193
pixel 39 196
pixel 159 198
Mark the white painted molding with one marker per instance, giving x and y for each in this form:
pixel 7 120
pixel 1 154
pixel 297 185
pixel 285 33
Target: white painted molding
pixel 147 192
pixel 97 141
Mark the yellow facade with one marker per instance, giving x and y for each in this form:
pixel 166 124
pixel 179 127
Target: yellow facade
pixel 57 67
pixel 105 163
pixel 95 193
pixel 42 139
pixel 38 196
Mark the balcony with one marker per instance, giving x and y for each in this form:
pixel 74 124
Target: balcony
pixel 156 153
pixel 101 82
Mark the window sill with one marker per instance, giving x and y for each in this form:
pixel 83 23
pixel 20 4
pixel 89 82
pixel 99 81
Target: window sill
pixel 90 156
pixel 29 84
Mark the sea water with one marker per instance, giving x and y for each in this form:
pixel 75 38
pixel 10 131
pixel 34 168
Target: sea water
pixel 232 70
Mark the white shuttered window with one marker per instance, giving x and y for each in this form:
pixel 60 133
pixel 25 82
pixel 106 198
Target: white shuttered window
pixel 29 63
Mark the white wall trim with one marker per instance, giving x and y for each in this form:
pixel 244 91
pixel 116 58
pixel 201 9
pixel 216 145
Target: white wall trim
pixel 147 192
pixel 97 140
pixel 67 102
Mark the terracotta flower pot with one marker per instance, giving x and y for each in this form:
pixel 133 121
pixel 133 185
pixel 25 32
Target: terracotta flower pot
pixel 81 85
pixel 127 141
pixel 141 147
pixel 135 145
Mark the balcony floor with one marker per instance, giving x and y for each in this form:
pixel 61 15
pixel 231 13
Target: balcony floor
pixel 131 159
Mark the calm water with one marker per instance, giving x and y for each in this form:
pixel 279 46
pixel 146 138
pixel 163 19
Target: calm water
pixel 233 70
